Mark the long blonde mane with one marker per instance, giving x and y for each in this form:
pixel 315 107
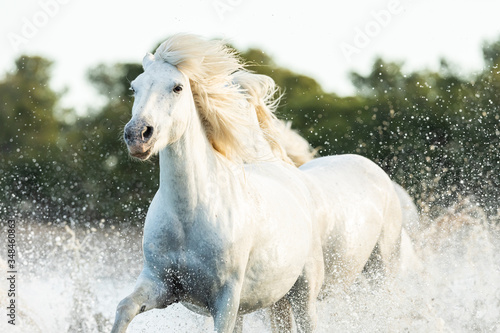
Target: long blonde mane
pixel 223 91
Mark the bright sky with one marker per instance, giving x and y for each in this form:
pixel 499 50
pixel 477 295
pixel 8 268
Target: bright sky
pixel 323 39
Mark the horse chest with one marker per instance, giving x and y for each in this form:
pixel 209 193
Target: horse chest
pixel 198 257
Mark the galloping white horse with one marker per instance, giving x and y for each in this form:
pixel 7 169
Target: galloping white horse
pixel 226 237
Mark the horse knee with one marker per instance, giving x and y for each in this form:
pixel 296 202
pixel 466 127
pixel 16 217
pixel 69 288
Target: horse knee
pixel 148 294
pixel 126 310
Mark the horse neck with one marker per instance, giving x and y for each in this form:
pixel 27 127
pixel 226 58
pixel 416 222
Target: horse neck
pixel 191 173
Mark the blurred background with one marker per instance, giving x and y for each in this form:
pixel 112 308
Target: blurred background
pixel 412 85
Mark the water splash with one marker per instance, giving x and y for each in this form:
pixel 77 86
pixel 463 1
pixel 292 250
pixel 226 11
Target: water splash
pixel 71 279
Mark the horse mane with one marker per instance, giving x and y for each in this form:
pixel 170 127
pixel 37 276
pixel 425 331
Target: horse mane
pixel 223 90
pixel 261 92
pixel 296 147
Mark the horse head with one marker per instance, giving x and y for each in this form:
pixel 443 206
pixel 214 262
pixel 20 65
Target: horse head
pixel 159 113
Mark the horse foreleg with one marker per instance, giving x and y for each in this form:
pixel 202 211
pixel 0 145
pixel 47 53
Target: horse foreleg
pixel 281 316
pixel 225 307
pixel 148 294
pixel 238 327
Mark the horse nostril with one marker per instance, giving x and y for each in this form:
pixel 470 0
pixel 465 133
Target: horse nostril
pixel 147 133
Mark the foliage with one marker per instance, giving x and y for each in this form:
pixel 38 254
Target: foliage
pixel 436 133
pixel 29 133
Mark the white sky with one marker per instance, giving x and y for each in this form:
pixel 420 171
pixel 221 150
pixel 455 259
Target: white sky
pixel 305 36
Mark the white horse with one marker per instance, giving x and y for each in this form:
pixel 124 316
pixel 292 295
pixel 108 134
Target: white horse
pixel 226 237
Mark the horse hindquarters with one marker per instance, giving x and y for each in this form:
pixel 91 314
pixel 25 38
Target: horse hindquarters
pixel 358 212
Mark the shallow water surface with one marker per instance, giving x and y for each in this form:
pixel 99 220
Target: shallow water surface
pixel 71 279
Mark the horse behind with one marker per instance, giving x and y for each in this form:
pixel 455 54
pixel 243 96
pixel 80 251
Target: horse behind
pixel 224 237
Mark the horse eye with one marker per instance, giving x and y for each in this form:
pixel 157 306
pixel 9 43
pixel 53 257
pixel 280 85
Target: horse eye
pixel 131 89
pixel 178 88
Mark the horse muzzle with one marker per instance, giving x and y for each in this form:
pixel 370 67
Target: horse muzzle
pixel 139 137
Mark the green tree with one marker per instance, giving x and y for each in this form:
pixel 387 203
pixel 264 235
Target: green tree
pixel 107 171
pixel 29 133
pixel 26 109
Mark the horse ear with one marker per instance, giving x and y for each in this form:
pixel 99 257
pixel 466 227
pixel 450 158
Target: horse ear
pixel 147 60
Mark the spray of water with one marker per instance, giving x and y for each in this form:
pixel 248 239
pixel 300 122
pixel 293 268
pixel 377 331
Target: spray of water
pixel 70 280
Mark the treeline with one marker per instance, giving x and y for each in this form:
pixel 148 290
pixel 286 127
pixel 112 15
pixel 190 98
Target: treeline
pixel 437 133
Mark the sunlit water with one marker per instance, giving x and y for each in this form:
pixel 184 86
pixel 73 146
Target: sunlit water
pixel 70 280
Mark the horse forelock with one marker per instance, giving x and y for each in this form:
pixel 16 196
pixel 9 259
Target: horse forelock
pixel 221 99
